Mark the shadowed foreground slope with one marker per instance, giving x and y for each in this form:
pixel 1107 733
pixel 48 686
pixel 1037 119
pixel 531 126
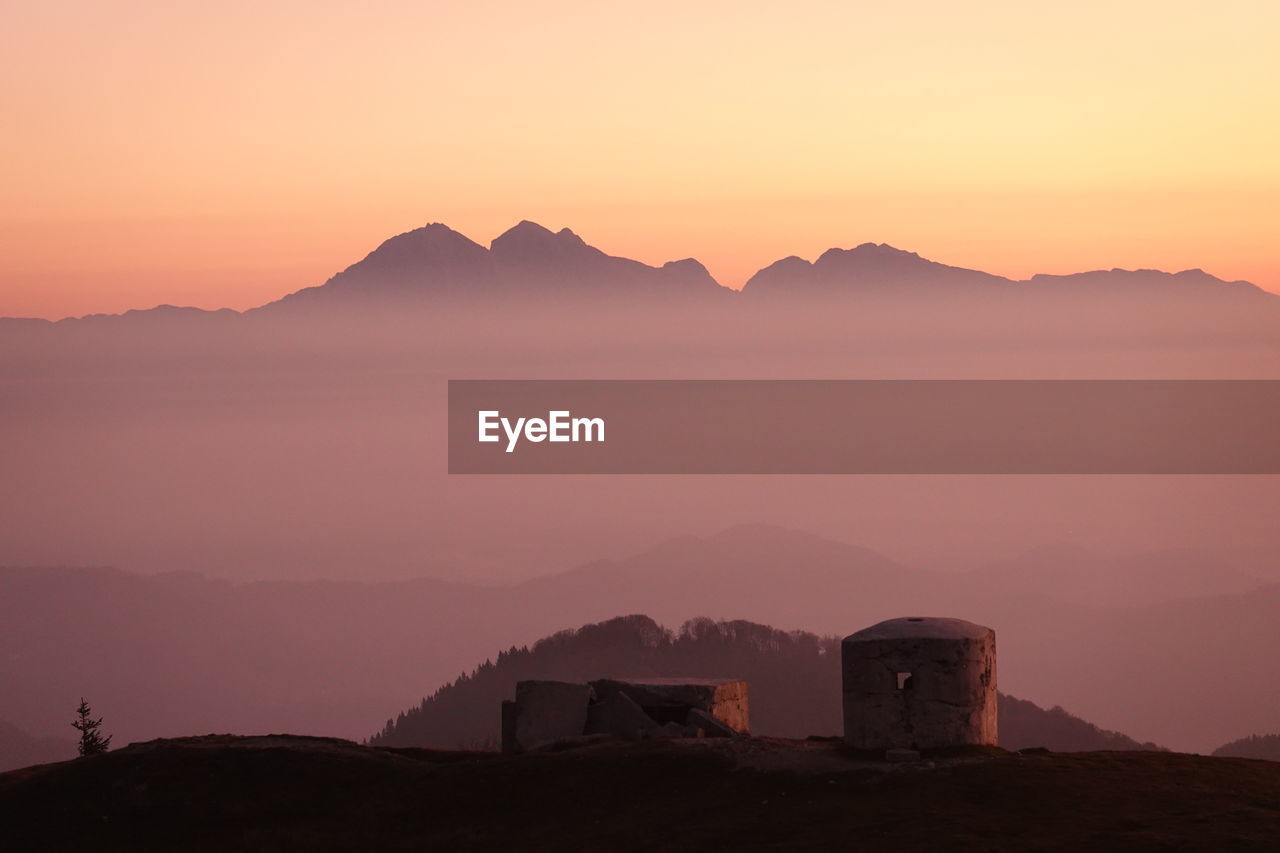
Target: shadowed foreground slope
pixel 280 792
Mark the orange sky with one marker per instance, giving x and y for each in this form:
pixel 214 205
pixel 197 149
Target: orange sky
pixel 224 154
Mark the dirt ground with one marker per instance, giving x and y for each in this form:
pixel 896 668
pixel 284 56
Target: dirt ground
pixel 290 793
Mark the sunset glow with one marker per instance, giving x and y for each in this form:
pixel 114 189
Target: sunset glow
pixel 222 155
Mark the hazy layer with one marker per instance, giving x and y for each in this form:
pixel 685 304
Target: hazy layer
pixel 307 441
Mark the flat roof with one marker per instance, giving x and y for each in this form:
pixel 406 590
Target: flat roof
pixel 920 628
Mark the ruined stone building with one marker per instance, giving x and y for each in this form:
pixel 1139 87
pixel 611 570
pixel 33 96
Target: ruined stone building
pixel 547 711
pixel 908 684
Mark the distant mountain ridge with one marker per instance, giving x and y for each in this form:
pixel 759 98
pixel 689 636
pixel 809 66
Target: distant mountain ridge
pixel 371 648
pixel 435 262
pixel 868 267
pixel 19 749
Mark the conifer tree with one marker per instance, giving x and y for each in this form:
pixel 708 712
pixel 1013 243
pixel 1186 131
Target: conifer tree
pixel 92 741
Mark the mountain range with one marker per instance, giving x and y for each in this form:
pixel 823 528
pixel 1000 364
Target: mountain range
pixel 303 440
pixel 438 265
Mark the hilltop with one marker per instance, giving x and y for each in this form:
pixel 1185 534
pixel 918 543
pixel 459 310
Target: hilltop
pixel 221 793
pixel 793 677
pixel 1254 746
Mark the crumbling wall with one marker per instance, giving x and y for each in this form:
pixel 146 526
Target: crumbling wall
pixel 547 711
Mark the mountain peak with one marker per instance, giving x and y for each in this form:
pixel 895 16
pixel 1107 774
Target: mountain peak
pixel 883 249
pixel 433 258
pixel 692 265
pixel 525 229
pixel 868 253
pixel 434 240
pixel 528 241
pixel 866 268
pixel 565 235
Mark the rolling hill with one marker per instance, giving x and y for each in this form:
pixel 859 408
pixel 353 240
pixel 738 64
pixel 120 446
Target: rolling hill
pixel 793 678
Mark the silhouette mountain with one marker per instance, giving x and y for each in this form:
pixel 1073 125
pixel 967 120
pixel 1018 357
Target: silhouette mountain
pixel 1025 725
pixel 1266 747
pixel 870 268
pixel 435 265
pixel 535 257
pixel 433 259
pixel 793 676
pixel 1145 283
pixel 531 260
pixel 881 271
pixel 435 262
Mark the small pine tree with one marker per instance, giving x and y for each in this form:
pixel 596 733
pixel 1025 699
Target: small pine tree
pixel 92 741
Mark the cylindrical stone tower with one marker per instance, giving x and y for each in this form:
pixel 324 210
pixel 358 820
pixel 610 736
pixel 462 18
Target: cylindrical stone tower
pixel 919 683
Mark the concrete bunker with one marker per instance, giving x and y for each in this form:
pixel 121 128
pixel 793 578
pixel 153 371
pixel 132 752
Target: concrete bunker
pixel 919 683
pixel 547 711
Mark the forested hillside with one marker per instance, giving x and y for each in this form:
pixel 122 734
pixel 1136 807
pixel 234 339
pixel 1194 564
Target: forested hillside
pixel 793 678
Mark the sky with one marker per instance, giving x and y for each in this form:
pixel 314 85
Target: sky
pixel 225 154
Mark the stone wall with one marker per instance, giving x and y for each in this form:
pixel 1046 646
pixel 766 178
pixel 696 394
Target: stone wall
pixel 919 683
pixel 544 712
